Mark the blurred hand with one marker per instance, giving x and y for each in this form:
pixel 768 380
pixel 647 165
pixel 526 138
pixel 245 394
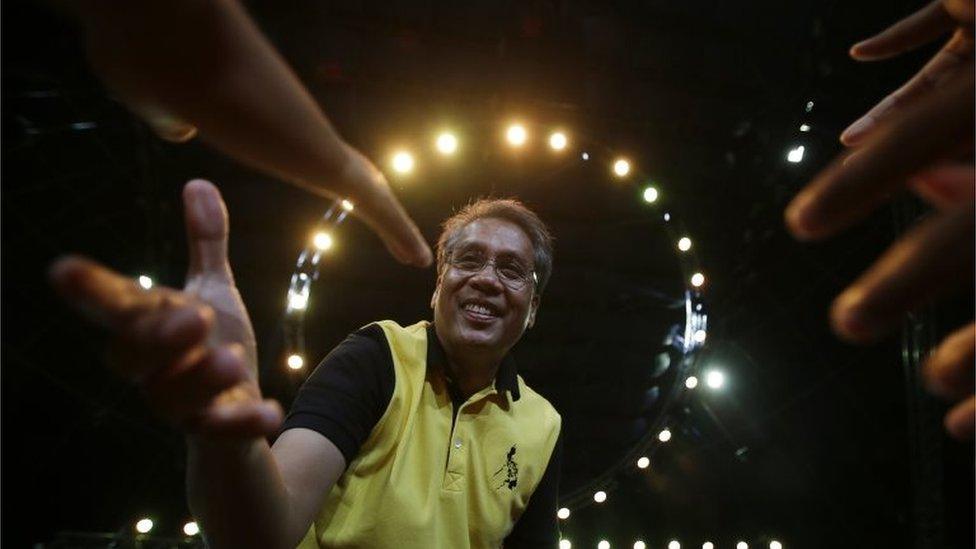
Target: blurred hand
pixel 192 351
pixel 913 138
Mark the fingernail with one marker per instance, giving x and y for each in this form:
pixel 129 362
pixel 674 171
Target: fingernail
pixel 851 319
pixel 856 130
pixel 798 217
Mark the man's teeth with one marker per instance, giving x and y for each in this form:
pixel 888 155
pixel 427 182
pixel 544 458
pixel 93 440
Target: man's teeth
pixel 479 309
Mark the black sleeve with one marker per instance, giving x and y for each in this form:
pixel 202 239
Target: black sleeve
pixel 348 392
pixel 538 525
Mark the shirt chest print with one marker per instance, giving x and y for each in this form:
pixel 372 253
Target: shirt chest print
pixel 507 474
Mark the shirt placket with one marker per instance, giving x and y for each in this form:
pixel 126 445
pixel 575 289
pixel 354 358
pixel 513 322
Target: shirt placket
pixel 460 444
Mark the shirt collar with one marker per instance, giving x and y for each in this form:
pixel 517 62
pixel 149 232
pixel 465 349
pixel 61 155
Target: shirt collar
pixel 506 379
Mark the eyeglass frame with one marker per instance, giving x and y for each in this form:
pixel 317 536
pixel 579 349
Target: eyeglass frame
pixel 494 266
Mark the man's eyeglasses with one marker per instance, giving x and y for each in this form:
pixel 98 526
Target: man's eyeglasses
pixel 508 271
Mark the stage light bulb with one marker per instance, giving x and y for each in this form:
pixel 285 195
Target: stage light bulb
pixel 621 167
pixel 643 462
pixel 563 513
pixel 447 143
pixel 145 282
pixel 191 528
pixel 347 205
pixel 684 244
pixel 600 496
pixel 402 162
pixel 322 241
pixel 558 141
pixel 775 545
pixel 809 106
pixel 295 361
pixel 297 301
pixel 715 379
pixel 604 544
pixel 697 280
pixel 565 544
pixel 804 127
pixel 640 545
pixel 673 544
pixel 708 545
pixel 664 435
pixel 667 216
pixel 795 155
pixel 699 336
pixel 585 156
pixel 144 526
pixel 650 195
pixel 742 545
pixel 516 135
pixel 691 382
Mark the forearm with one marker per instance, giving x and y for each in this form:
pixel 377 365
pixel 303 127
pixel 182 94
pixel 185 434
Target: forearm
pixel 207 64
pixel 236 493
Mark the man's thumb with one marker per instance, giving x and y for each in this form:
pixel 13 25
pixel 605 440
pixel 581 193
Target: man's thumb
pixel 206 228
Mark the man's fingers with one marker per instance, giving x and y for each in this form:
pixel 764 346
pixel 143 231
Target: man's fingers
pixel 100 294
pixel 947 185
pixel 180 394
pixel 240 419
pixel 206 229
pixel 931 258
pixel 918 28
pixel 953 56
pixel 159 340
pixel 949 368
pixel 846 192
pixel 961 419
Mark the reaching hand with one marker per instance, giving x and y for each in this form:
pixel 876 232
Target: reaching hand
pixel 193 351
pixel 913 138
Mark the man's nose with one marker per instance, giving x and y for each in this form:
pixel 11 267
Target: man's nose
pixel 487 279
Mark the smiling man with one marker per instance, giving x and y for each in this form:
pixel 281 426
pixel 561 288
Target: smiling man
pixel 441 442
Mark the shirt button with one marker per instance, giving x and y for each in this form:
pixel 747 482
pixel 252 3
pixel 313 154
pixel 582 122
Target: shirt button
pixel 457 443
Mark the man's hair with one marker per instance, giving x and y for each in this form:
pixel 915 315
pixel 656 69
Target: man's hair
pixel 508 209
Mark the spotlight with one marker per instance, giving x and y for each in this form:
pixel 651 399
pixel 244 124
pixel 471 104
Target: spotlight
pixel 715 379
pixel 563 513
pixel 684 244
pixel 144 526
pixel 516 135
pixel 809 106
pixel 565 544
pixel 691 382
pixel 145 282
pixel 621 167
pixel 795 155
pixel 347 205
pixel 295 361
pixel 558 141
pixel 604 544
pixel 643 462
pixel 447 143
pixel 402 162
pixel 697 280
pixel 650 195
pixel 742 545
pixel 322 241
pixel 191 528
pixel 667 216
pixel 673 544
pixel 640 545
pixel 585 156
pixel 297 301
pixel 699 336
pixel 664 435
pixel 600 496
pixel 775 545
pixel 708 545
pixel 804 127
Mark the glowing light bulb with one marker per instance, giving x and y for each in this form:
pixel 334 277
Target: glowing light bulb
pixel 708 545
pixel 691 382
pixel 664 435
pixel 295 361
pixel 715 379
pixel 297 301
pixel 640 545
pixel 697 280
pixel 673 544
pixel 322 241
pixel 191 528
pixel 604 544
pixel 558 141
pixel 621 167
pixel 447 143
pixel 516 135
pixel 565 544
pixel 600 496
pixel 563 513
pixel 795 155
pixel 699 336
pixel 144 526
pixel 145 282
pixel 742 545
pixel 667 216
pixel 585 156
pixel 402 162
pixel 809 106
pixel 347 205
pixel 775 545
pixel 650 195
pixel 684 244
pixel 804 127
pixel 643 462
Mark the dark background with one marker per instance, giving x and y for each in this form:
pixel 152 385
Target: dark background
pixel 809 443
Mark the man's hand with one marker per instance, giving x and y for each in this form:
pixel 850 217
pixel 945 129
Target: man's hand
pixel 906 141
pixel 192 351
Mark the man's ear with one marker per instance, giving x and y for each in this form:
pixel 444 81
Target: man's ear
pixel 533 308
pixel 437 290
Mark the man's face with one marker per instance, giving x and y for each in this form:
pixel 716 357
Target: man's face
pixel 478 311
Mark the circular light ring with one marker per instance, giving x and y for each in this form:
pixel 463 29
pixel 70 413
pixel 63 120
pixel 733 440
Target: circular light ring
pixel 691 339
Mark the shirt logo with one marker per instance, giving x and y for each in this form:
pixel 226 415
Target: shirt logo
pixel 510 470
